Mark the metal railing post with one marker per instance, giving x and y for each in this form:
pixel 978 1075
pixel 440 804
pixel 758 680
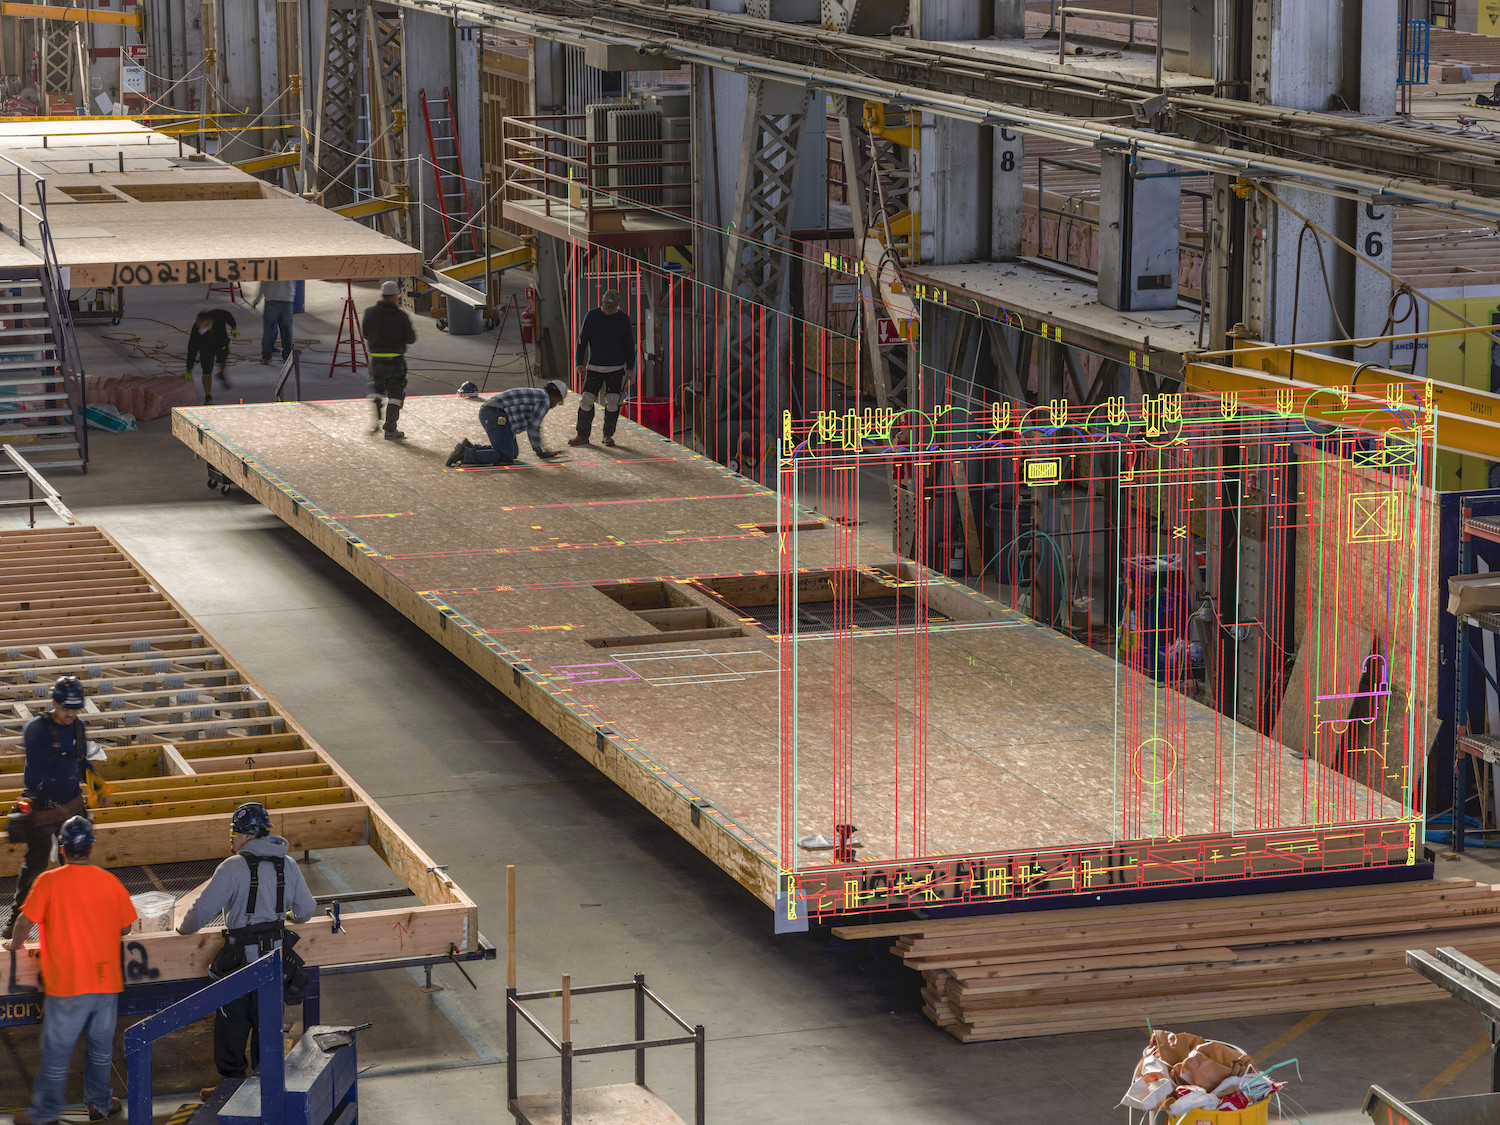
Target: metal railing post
pixel 640 1028
pixel 699 1074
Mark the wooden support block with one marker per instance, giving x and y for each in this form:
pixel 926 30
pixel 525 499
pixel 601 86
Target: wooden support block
pixel 173 764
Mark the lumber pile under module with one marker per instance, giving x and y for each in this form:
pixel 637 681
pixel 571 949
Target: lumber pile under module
pixel 1090 969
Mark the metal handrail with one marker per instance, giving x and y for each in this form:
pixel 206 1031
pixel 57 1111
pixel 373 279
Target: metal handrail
pixel 1185 246
pixel 262 978
pixel 60 314
pixel 549 164
pixel 35 480
pixel 1120 17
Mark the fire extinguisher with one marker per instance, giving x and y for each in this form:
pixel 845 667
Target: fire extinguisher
pixel 529 315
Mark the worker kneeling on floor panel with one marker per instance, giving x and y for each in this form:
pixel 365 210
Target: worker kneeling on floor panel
pixel 506 415
pixel 257 918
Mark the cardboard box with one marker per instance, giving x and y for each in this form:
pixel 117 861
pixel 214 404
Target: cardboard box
pixel 1473 593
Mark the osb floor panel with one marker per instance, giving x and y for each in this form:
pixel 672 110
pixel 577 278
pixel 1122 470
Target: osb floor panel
pixel 1020 746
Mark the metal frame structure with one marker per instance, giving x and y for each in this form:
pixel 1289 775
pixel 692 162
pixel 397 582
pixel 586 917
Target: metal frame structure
pixel 1197 797
pixel 515 1002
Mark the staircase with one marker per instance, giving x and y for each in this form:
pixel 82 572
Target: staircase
pixel 41 401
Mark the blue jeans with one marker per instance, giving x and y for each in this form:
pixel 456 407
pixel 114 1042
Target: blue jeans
pixel 502 448
pixel 276 318
pixel 64 1019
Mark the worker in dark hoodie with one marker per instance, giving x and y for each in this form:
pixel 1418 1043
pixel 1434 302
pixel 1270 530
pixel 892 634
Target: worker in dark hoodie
pixel 258 888
pixel 387 331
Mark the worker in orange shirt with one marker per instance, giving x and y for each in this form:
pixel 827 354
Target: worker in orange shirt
pixel 83 911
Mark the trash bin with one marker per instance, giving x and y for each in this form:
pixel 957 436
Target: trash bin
pixel 464 320
pixel 654 413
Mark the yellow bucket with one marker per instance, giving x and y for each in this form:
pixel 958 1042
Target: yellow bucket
pixel 1251 1115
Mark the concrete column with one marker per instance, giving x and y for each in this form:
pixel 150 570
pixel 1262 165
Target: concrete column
pixel 1006 186
pixel 426 64
pixel 1378 40
pixel 1306 305
pixel 466 100
pixel 548 95
pixel 1009 19
pixel 1373 225
pixel 953 190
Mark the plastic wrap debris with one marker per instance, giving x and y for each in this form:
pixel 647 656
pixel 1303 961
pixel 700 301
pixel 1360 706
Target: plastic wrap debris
pixel 1182 1073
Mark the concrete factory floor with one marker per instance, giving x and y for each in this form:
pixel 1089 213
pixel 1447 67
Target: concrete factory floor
pixel 800 1028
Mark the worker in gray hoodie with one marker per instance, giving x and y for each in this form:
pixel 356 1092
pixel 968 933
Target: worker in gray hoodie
pixel 258 888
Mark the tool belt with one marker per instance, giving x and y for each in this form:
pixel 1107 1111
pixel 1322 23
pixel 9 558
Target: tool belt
pixel 263 935
pixel 35 819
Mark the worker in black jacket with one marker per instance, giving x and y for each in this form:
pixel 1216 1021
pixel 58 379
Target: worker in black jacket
pixel 208 344
pixel 387 331
pixel 606 351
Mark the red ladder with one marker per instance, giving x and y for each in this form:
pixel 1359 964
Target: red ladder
pixel 448 176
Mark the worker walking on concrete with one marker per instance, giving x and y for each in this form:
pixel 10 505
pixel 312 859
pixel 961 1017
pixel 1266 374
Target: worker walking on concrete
pixel 258 888
pixel 388 330
pixel 56 770
pixel 276 318
pixel 507 414
pixel 208 344
pixel 83 912
pixel 606 351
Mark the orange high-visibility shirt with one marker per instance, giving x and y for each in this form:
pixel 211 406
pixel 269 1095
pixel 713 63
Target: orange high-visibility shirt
pixel 81 910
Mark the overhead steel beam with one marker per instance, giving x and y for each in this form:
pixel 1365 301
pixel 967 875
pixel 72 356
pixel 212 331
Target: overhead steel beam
pixel 974 86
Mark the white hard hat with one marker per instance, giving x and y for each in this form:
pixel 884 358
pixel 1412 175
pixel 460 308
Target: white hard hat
pixel 559 387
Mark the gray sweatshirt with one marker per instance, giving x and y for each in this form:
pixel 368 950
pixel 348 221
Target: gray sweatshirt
pixel 229 890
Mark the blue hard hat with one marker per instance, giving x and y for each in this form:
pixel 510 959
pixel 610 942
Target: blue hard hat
pixel 76 835
pixel 251 819
pixel 68 691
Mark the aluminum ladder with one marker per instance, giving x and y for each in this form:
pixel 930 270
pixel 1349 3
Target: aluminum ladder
pixel 448 177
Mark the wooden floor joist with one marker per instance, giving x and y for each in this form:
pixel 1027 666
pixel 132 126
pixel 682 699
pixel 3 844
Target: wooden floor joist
pixel 188 736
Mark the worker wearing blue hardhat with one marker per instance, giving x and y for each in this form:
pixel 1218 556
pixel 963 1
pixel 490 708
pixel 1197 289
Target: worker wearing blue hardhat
pixel 258 888
pixel 52 780
pixel 83 911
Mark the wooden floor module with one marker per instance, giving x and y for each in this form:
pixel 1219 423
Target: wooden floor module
pixel 609 594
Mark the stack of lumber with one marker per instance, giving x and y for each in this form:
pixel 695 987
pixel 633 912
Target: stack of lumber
pixel 1090 969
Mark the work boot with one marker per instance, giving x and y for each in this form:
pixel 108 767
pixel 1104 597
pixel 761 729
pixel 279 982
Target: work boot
pixel 394 435
pixel 585 426
pixel 609 441
pixel 579 439
pixel 455 457
pixel 375 426
pixel 97 1114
